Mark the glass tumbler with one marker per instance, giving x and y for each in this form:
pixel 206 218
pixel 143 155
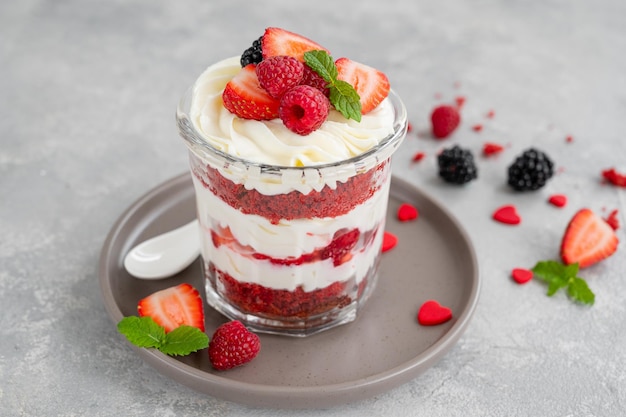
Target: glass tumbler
pixel 290 250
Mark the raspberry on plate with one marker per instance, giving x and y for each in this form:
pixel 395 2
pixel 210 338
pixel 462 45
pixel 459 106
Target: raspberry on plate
pixel 303 109
pixel 233 345
pixel 278 74
pixel 445 119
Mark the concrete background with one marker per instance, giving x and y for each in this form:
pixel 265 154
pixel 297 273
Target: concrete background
pixel 87 97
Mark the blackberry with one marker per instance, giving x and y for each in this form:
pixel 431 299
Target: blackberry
pixel 530 171
pixel 456 165
pixel 252 55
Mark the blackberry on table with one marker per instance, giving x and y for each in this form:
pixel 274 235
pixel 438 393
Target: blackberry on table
pixel 456 165
pixel 252 55
pixel 530 171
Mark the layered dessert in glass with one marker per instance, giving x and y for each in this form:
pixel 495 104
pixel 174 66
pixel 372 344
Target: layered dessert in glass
pixel 292 223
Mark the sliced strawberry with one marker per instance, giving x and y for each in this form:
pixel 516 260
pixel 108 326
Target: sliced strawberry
pixel 278 41
pixel 588 239
pixel 244 96
pixel 173 307
pixel 371 84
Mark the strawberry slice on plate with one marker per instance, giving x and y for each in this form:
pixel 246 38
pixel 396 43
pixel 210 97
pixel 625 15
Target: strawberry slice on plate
pixel 371 84
pixel 173 307
pixel 588 239
pixel 244 96
pixel 277 41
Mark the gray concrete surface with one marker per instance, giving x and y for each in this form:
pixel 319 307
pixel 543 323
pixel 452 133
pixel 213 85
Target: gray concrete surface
pixel 87 97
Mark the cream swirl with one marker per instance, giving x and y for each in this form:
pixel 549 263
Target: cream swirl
pixel 270 142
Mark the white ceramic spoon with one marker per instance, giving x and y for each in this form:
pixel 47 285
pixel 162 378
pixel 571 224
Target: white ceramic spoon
pixel 165 255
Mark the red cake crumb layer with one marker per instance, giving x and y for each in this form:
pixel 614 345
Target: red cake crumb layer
pixel 298 304
pixel 294 205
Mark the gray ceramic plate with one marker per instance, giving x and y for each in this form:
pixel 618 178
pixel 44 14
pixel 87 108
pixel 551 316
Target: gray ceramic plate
pixel 383 348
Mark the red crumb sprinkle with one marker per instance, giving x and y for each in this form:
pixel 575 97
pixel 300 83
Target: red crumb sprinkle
pixel 490 114
pixel 477 128
pixel 492 149
pixel 612 220
pixel 431 313
pixel 507 215
pixel 389 241
pixel 521 275
pixel 558 200
pixel 460 101
pixel 409 127
pixel 569 139
pixel 614 177
pixel 418 156
pixel 407 212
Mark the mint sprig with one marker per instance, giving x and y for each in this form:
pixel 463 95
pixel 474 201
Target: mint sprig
pixel 343 96
pixel 559 276
pixel 145 332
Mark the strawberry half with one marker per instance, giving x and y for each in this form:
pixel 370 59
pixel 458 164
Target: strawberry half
pixel 244 96
pixel 371 84
pixel 276 41
pixel 173 307
pixel 588 239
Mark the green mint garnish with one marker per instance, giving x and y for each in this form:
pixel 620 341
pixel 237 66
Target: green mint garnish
pixel 145 332
pixel 343 96
pixel 558 276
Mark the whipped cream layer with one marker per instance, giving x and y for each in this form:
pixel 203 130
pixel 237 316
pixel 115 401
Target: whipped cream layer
pixel 270 142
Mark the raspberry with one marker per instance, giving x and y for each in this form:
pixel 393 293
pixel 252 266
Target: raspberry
pixel 252 55
pixel 456 165
pixel 278 74
pixel 530 171
pixel 303 109
pixel 313 79
pixel 233 345
pixel 445 119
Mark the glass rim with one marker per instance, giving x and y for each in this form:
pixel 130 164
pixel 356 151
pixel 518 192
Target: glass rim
pixel 195 141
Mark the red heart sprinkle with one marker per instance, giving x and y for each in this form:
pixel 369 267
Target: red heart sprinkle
pixel 418 156
pixel 389 241
pixel 521 275
pixel 431 313
pixel 558 200
pixel 407 212
pixel 507 215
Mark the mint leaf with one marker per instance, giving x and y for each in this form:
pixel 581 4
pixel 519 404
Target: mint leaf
pixel 558 276
pixel 322 63
pixel 346 100
pixel 579 291
pixel 183 340
pixel 145 332
pixel 343 96
pixel 142 331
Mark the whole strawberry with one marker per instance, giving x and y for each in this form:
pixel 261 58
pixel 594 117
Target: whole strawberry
pixel 233 345
pixel 445 119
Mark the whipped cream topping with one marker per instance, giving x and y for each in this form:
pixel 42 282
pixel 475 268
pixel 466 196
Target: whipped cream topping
pixel 270 142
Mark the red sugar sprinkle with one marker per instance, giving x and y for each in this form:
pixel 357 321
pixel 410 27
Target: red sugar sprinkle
pixel 507 215
pixel 490 114
pixel 477 128
pixel 418 156
pixel 492 149
pixel 614 177
pixel 407 212
pixel 409 127
pixel 612 220
pixel 460 100
pixel 569 139
pixel 558 200
pixel 431 313
pixel 521 275
pixel 389 241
